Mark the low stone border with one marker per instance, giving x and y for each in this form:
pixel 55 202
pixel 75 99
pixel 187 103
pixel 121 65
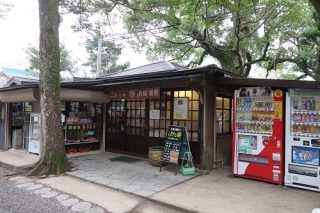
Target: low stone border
pixel 74 203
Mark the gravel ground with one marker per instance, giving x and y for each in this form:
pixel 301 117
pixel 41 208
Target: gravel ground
pixel 16 200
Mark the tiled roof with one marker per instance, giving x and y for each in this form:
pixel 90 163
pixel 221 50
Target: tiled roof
pixel 20 73
pixel 147 69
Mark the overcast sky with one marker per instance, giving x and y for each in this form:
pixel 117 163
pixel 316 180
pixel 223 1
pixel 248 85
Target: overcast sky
pixel 20 29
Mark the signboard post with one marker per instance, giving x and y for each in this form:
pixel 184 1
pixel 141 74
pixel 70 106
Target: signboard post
pixel 174 140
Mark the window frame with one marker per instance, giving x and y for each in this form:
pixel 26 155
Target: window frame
pixel 223 120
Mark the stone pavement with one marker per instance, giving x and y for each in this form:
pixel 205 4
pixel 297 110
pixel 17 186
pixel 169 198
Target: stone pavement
pixel 17 159
pixel 139 178
pixel 217 191
pixel 221 192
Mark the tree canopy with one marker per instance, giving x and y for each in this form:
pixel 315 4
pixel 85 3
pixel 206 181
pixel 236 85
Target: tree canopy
pixel 4 8
pixel 66 62
pixel 242 35
pixel 110 53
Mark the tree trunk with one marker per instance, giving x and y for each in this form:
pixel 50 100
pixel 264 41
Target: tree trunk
pixel 316 5
pixel 53 157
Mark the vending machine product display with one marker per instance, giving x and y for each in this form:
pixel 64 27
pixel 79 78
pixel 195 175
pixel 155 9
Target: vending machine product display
pixel 302 168
pixel 258 134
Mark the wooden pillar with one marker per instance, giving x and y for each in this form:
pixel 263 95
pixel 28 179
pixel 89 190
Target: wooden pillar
pixel 209 121
pixel 7 124
pixel 103 128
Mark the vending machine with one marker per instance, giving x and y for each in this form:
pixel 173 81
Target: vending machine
pixel 258 134
pixel 302 167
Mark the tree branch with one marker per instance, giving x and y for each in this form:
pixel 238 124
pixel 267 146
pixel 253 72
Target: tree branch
pixel 182 55
pixel 199 61
pixel 262 58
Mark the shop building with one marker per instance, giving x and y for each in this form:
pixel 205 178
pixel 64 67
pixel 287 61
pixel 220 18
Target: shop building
pixel 81 116
pixel 129 112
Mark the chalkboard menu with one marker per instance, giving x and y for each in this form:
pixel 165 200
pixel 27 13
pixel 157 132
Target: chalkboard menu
pixel 174 140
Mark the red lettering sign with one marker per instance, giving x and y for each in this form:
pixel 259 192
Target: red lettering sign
pixel 137 94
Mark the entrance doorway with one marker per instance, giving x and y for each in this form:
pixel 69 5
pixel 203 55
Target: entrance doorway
pixel 135 125
pixel 127 126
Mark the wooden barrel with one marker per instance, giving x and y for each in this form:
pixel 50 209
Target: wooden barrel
pixel 155 155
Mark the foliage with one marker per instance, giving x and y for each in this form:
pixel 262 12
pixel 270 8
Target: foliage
pixel 4 8
pixel 302 49
pixel 66 62
pixel 242 35
pixel 110 53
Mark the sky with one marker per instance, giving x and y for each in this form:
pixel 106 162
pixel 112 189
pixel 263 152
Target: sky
pixel 20 29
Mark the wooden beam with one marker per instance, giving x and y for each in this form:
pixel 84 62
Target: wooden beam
pixel 209 136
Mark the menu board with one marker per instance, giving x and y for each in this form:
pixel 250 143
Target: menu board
pixel 173 143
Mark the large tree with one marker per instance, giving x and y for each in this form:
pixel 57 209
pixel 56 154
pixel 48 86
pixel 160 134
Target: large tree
pixel 242 35
pixel 66 62
pixel 110 53
pixel 300 49
pixel 53 157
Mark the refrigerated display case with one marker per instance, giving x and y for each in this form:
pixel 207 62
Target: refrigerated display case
pixel 258 134
pixel 302 168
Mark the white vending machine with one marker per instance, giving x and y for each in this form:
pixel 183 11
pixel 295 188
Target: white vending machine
pixel 302 152
pixel 34 133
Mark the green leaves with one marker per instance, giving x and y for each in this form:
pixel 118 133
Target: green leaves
pixel 66 62
pixel 109 54
pixel 242 35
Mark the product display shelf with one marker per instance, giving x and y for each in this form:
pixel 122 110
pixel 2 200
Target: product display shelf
pixel 309 112
pixel 305 123
pixel 255 110
pixel 254 132
pixel 78 131
pixel 81 142
pixel 254 122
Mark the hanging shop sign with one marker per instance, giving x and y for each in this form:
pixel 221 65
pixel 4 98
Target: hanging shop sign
pixel 180 111
pixel 145 93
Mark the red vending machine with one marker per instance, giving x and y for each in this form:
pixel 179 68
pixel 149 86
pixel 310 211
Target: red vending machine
pixel 258 135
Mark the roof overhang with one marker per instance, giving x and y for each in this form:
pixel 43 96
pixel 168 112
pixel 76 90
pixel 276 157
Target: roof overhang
pixel 67 94
pixel 20 95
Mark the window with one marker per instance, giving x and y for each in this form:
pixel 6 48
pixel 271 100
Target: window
pixel 223 110
pixel 116 116
pixel 129 116
pixel 135 112
pixel 160 115
pixel 192 123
